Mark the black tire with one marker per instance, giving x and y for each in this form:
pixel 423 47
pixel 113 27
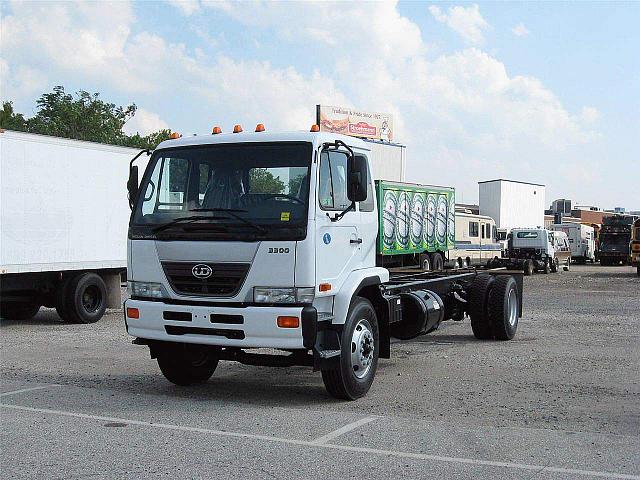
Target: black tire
pixel 425 262
pixel 555 265
pixel 547 266
pixel 185 364
pixel 344 382
pixel 18 310
pixel 86 299
pixel 569 263
pixel 528 268
pixel 437 262
pixel 503 307
pixel 638 270
pixel 478 302
pixel 61 299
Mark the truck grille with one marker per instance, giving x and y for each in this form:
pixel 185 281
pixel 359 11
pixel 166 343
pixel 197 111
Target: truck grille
pixel 225 280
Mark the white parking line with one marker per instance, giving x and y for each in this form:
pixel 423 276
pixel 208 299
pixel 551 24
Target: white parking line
pixel 23 390
pixel 344 448
pixel 342 430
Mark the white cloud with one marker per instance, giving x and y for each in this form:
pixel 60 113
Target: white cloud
pixel 186 7
pixel 466 21
pixel 462 115
pixel 144 122
pixel 520 30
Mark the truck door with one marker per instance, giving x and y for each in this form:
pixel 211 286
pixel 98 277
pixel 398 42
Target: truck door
pixel 338 243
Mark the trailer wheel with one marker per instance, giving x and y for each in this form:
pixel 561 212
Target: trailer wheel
pixel 184 364
pixel 359 354
pixel 437 262
pixel 478 301
pixel 61 299
pixel 547 266
pixel 503 307
pixel 86 299
pixel 555 265
pixel 425 262
pixel 528 268
pixel 18 310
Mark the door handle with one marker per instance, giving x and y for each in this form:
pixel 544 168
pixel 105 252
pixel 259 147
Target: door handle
pixel 356 241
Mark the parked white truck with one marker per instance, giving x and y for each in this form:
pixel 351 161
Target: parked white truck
pixel 63 226
pixel 247 240
pixel 581 240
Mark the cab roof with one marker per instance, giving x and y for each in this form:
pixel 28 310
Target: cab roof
pixel 317 138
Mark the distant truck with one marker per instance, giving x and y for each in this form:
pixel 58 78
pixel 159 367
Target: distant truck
pixel 635 246
pixel 581 240
pixel 615 240
pixel 64 226
pixel 535 249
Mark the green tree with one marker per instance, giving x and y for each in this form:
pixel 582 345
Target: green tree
pixel 295 182
pixel 83 117
pixel 10 119
pixel 262 180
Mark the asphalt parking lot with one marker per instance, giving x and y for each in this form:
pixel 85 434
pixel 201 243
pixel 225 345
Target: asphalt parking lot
pixel 562 400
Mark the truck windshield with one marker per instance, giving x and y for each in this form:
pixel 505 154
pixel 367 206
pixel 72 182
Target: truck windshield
pixel 226 191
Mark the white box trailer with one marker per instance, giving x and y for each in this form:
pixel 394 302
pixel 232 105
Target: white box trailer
pixel 63 225
pixel 389 160
pixel 512 204
pixel 581 240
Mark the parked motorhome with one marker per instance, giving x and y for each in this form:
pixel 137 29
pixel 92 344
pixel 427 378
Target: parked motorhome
pixel 476 240
pixel 581 240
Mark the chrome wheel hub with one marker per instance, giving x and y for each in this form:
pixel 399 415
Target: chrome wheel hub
pixel 362 348
pixel 512 307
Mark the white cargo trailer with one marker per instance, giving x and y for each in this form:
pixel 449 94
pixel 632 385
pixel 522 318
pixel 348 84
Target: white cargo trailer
pixel 389 160
pixel 581 240
pixel 63 225
pixel 512 204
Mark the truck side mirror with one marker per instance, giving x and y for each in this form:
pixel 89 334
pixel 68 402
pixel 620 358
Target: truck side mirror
pixel 358 178
pixel 132 185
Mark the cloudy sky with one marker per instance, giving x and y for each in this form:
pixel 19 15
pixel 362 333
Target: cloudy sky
pixel 540 92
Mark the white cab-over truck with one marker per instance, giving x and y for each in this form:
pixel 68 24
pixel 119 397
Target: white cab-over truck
pixel 268 240
pixel 63 226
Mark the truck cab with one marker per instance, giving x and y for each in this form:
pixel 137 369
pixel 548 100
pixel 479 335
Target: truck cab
pixel 268 240
pixel 537 249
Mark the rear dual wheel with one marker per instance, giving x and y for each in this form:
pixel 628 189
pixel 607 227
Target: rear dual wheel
pixel 494 307
pixel 82 298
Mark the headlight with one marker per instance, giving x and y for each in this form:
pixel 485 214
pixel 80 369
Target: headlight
pixel 283 295
pixel 147 289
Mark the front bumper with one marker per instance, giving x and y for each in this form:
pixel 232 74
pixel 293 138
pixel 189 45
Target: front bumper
pixel 243 327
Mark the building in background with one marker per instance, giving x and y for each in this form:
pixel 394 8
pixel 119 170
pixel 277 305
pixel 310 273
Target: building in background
pixel 512 204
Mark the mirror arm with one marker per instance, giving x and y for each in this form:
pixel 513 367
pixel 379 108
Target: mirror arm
pixel 338 216
pixel 147 151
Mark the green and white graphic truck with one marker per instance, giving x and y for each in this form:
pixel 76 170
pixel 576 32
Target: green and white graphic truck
pixel 415 222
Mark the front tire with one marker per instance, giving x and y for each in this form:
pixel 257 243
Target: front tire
pixel 638 270
pixel 353 377
pixel 184 364
pixel 528 268
pixel 547 266
pixel 555 265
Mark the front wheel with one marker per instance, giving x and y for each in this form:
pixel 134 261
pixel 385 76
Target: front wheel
pixel 185 364
pixel 353 377
pixel 638 270
pixel 528 268
pixel 555 265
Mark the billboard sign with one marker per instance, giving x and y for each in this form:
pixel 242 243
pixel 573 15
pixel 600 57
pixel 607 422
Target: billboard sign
pixel 356 123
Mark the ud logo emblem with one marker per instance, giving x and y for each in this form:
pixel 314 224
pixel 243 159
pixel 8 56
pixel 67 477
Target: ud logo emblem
pixel 202 271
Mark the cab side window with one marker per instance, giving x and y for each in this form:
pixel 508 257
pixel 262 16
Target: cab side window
pixel 332 192
pixel 473 229
pixel 368 204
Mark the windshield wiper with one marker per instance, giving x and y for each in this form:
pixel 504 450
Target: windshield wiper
pixel 233 212
pixel 175 221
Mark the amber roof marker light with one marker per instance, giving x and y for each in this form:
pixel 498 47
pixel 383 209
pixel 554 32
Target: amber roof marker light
pixel 216 130
pixel 315 128
pixel 260 127
pixel 174 135
pixel 237 128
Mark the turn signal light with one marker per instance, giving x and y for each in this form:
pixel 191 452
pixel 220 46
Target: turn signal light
pixel 260 127
pixel 324 287
pixel 133 312
pixel 216 130
pixel 237 129
pixel 288 322
pixel 174 135
pixel 315 128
